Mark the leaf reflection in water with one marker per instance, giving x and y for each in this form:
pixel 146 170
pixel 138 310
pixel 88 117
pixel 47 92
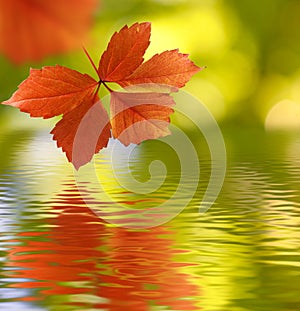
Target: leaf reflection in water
pixel 81 261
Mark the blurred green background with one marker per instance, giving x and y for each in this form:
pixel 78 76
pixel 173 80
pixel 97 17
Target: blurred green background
pixel 251 50
pixel 244 254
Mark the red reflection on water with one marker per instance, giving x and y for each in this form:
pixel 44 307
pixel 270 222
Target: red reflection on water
pixel 144 270
pixel 120 268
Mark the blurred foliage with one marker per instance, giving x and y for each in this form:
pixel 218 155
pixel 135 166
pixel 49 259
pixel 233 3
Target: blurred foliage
pixel 245 249
pixel 250 48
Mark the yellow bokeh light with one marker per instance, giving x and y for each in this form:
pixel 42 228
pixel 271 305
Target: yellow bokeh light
pixel 274 89
pixel 200 31
pixel 284 115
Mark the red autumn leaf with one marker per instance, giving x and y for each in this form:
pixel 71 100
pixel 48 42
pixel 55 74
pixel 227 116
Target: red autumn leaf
pixel 125 52
pixel 170 68
pixel 31 29
pixel 85 128
pixel 83 132
pixel 52 91
pixel 140 116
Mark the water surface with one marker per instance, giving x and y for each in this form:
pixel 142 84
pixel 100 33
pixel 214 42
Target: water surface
pixel 242 254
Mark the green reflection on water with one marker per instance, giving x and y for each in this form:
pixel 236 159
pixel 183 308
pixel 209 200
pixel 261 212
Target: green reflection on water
pixel 243 254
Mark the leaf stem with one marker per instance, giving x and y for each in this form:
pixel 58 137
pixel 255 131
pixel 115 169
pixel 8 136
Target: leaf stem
pixel 91 61
pixel 94 66
pixel 106 86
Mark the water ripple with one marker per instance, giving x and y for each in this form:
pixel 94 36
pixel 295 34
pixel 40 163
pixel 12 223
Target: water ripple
pixel 244 252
